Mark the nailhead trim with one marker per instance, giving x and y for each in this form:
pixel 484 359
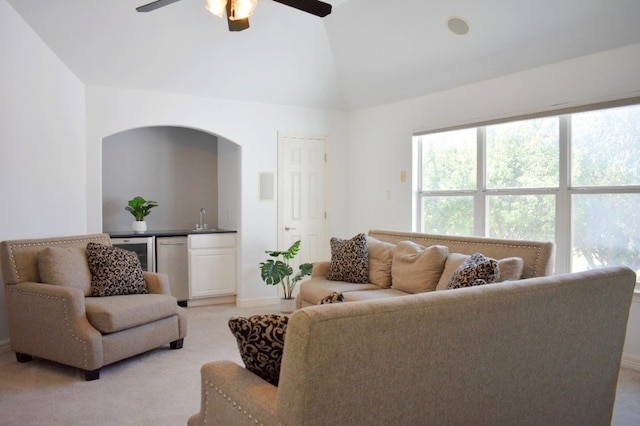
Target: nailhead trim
pixel 228 398
pixel 65 310
pixel 46 244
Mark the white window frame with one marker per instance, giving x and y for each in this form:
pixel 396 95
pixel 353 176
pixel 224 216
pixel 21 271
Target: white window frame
pixel 563 192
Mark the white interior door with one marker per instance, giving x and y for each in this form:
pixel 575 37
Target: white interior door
pixel 302 196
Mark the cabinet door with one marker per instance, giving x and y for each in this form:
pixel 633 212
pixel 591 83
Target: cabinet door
pixel 212 272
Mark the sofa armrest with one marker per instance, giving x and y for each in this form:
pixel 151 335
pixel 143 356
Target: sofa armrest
pixel 157 283
pixel 320 269
pixel 49 321
pixel 232 395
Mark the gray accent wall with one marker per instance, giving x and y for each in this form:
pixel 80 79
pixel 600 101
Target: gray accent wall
pixel 175 166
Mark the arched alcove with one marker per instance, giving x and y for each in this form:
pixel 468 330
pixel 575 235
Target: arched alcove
pixel 183 169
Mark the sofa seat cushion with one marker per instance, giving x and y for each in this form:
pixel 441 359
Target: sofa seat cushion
pixel 115 313
pixel 355 296
pixel 316 289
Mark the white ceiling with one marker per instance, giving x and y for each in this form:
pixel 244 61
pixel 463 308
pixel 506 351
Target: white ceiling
pixel 366 53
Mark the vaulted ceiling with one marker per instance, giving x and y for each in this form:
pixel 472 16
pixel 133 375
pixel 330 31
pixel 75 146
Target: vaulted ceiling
pixel 366 53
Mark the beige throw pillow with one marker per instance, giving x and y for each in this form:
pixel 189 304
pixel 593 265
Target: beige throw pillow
pixel 511 268
pixel 380 259
pixel 65 266
pixel 416 269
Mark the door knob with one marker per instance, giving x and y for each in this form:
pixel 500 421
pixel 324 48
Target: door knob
pixel 286 228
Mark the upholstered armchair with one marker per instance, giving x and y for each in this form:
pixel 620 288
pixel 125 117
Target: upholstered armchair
pixel 52 314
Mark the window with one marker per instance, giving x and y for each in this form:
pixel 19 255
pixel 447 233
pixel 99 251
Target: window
pixel 573 179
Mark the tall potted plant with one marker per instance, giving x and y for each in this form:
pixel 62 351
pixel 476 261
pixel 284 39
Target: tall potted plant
pixel 278 271
pixel 140 208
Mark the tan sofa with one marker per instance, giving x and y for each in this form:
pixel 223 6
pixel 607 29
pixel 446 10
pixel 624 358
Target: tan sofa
pixel 538 259
pixel 60 323
pixel 538 351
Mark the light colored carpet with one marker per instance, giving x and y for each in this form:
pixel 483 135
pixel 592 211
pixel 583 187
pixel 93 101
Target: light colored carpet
pixel 161 387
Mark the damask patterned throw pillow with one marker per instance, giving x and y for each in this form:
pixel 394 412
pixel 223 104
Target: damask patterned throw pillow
pixel 349 260
pixel 333 297
pixel 114 271
pixel 476 270
pixel 260 340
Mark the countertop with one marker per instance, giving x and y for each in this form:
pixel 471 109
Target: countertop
pixel 167 233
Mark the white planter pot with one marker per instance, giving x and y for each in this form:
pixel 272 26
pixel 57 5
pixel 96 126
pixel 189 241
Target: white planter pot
pixel 288 305
pixel 139 226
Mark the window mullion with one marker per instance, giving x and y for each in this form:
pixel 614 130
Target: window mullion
pixel 480 202
pixel 563 200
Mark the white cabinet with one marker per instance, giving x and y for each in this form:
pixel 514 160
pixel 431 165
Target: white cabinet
pixel 212 265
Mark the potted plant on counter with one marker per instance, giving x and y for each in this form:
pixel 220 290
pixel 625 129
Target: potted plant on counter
pixel 140 208
pixel 279 271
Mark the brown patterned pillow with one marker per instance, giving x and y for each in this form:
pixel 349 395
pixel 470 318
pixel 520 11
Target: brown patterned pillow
pixel 333 297
pixel 260 340
pixel 349 260
pixel 476 270
pixel 114 271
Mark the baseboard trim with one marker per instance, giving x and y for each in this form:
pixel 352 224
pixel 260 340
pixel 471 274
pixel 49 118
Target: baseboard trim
pixel 5 346
pixel 631 362
pixel 253 303
pixel 211 301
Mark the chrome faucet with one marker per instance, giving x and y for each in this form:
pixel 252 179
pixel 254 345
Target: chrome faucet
pixel 202 225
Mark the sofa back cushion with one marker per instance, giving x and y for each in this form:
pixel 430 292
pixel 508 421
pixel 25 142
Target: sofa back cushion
pixel 380 259
pixel 416 269
pixel 66 266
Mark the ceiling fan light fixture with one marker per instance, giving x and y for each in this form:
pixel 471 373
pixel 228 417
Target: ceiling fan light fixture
pixel 216 7
pixel 242 9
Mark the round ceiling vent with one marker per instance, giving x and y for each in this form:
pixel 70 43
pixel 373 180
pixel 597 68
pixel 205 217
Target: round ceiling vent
pixel 458 25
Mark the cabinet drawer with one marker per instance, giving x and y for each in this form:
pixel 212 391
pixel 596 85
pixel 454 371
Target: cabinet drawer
pixel 204 241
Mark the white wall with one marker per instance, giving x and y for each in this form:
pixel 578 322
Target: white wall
pixel 254 127
pixel 380 138
pixel 42 149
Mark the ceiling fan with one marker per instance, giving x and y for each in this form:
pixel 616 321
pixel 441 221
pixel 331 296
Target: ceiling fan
pixel 238 11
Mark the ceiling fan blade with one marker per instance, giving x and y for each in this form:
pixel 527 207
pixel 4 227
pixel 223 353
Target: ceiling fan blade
pixel 237 24
pixel 155 5
pixel 314 7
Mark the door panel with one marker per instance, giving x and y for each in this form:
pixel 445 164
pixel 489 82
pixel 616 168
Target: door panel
pixel 302 195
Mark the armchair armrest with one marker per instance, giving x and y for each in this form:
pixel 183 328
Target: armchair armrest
pixel 320 269
pixel 157 283
pixel 49 321
pixel 232 395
